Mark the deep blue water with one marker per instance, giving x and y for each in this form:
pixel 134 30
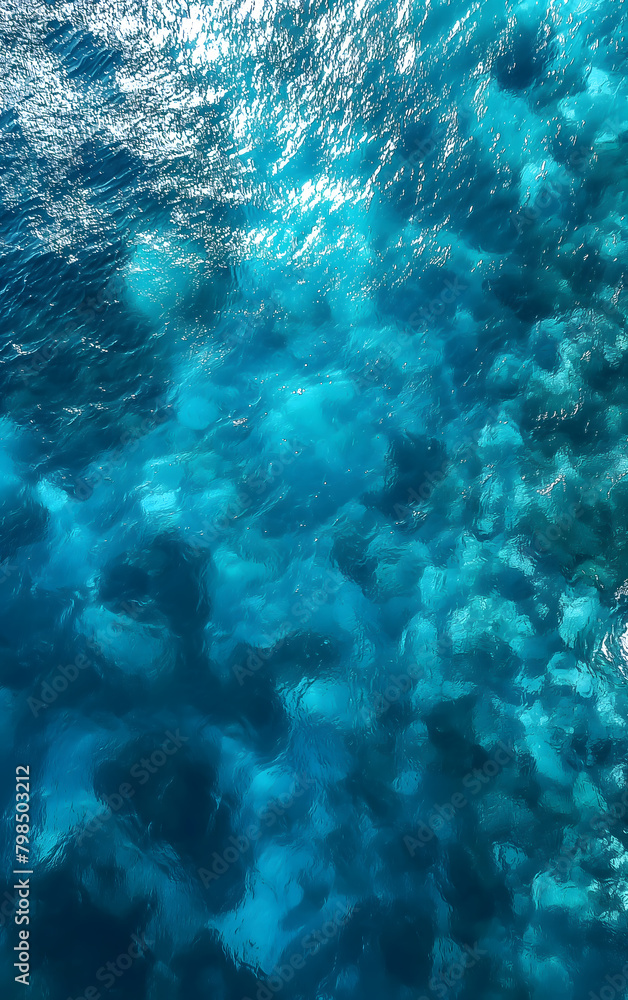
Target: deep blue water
pixel 314 498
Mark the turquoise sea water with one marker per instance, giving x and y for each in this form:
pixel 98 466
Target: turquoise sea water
pixel 314 497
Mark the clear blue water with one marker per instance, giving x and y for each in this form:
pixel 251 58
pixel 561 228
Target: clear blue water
pixel 313 498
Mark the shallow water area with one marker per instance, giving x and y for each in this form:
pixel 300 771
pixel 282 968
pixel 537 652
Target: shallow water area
pixel 313 498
